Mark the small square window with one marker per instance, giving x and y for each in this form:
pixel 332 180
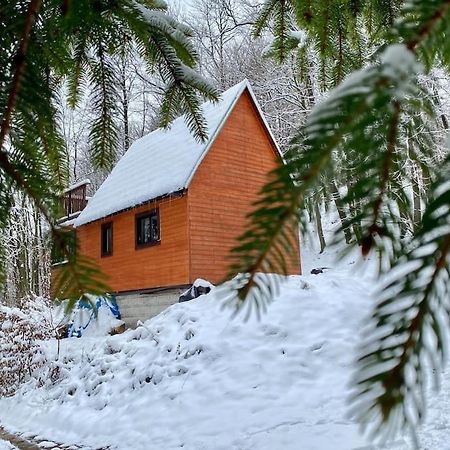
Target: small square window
pixel 147 228
pixel 107 239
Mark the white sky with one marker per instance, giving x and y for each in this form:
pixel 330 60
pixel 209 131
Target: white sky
pixel 179 4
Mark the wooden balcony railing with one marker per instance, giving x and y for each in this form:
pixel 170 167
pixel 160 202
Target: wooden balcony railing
pixel 74 200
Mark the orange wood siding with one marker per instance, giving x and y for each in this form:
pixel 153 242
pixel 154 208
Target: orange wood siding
pixel 199 229
pixel 223 189
pixel 128 268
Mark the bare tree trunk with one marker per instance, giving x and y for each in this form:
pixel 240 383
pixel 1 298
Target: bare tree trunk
pixel 405 223
pixel 354 211
pixel 144 114
pixel 320 235
pixel 75 161
pixel 125 107
pixel 341 212
pixel 25 254
pixel 417 204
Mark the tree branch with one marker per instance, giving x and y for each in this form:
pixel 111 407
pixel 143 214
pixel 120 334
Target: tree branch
pixel 428 26
pixel 374 228
pixel 20 63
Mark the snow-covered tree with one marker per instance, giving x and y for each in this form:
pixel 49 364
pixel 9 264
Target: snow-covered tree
pixel 26 257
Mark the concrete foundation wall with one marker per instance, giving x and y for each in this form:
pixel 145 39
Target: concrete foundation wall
pixel 136 306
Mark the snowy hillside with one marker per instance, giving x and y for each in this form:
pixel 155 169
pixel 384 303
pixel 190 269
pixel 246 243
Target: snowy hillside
pixel 5 446
pixel 197 379
pixel 194 378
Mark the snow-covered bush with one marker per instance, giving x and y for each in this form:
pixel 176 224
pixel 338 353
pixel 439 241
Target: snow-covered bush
pixel 20 354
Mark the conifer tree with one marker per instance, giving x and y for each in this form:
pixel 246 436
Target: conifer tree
pixel 375 120
pixel 62 47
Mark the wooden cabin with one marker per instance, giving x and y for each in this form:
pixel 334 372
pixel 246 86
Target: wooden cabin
pixel 171 209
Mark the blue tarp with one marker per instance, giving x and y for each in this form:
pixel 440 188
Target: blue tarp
pixel 84 313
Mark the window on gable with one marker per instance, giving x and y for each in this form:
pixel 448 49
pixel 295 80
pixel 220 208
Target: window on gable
pixel 147 228
pixel 107 239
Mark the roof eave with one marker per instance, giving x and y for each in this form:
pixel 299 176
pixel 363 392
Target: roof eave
pixel 177 194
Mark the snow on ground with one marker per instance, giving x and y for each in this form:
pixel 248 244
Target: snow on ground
pixel 6 446
pixel 197 379
pixel 194 378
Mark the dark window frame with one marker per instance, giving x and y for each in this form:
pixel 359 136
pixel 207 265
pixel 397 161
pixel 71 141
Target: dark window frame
pixel 103 227
pixel 137 217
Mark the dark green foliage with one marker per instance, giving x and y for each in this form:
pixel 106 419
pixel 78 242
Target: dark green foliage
pixel 333 28
pixel 54 47
pixel 103 135
pixel 410 324
pixel 426 23
pixel 78 277
pixel 349 124
pixel 281 13
pixel 373 134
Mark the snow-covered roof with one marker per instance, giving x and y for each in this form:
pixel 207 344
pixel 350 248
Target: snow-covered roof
pixel 78 185
pixel 161 162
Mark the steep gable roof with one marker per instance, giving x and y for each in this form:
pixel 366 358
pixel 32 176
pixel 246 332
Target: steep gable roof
pixel 162 162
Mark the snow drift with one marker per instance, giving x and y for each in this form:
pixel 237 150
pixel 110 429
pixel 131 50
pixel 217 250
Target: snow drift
pixel 195 378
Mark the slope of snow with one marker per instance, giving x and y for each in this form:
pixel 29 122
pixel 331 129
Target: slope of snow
pixel 195 378
pixel 4 445
pixel 159 163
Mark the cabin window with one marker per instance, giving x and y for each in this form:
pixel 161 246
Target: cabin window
pixel 147 228
pixel 107 239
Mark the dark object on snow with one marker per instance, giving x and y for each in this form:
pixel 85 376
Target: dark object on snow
pixel 193 292
pixel 319 270
pixel 119 329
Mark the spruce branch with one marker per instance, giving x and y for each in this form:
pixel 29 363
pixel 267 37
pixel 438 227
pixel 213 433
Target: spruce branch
pixel 367 240
pixel 179 89
pixel 411 320
pixel 19 69
pixel 79 276
pixel 280 13
pixel 49 45
pixel 169 48
pixel 330 128
pixel 437 16
pixel 264 17
pixel 76 76
pixel 409 327
pixel 363 121
pixel 103 136
pixel 281 26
